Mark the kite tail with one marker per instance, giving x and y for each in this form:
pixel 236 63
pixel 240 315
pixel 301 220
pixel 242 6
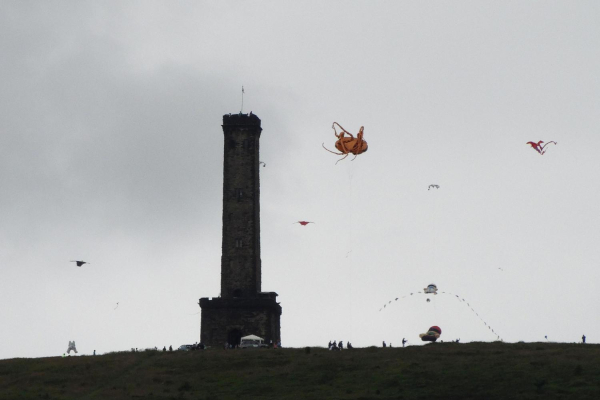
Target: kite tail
pixel 339 154
pixel 460 299
pixel 341 127
pixel 543 151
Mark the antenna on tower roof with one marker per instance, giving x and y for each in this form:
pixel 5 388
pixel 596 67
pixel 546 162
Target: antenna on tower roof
pixel 242 109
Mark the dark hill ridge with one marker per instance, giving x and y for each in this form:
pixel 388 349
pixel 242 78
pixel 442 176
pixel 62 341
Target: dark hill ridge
pixel 435 371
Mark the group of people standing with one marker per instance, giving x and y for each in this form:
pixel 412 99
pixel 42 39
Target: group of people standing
pixel 338 345
pixel 404 341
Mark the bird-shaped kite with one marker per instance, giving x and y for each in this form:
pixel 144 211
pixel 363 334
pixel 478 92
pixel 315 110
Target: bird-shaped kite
pixel 303 223
pixel 538 146
pixel 80 263
pixel 117 305
pixel 433 186
pixel 347 145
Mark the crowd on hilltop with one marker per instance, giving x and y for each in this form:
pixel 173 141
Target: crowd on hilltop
pixel 332 345
pixel 339 345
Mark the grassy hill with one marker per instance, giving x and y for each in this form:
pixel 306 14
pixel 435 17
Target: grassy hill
pixel 435 371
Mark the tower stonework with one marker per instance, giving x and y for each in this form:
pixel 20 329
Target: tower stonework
pixel 242 308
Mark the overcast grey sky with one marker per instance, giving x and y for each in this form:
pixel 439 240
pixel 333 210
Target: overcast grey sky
pixel 111 152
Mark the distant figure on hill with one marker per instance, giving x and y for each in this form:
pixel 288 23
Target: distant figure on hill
pixel 458 340
pixel 329 345
pixel 384 345
pixel 390 345
pixel 349 346
pixel 170 348
pixel 404 341
pixel 583 339
pixel 341 345
pixel 94 352
pixel 164 348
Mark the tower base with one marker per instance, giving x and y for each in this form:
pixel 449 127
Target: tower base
pixel 225 321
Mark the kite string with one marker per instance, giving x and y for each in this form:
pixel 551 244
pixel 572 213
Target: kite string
pixel 435 220
pixel 460 299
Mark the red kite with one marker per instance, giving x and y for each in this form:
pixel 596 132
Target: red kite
pixel 303 223
pixel 538 146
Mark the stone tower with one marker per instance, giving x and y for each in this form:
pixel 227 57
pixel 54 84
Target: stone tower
pixel 242 309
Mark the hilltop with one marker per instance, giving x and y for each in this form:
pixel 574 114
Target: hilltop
pixel 435 371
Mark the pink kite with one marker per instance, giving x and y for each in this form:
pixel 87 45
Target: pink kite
pixel 303 223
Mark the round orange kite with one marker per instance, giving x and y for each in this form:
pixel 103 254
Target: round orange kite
pixel 348 144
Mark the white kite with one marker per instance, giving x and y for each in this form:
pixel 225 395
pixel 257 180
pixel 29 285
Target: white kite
pixel 72 347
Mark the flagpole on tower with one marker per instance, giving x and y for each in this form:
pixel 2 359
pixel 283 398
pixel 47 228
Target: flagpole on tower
pixel 242 109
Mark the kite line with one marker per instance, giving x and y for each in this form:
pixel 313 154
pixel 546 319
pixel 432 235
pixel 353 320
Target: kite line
pixel 460 299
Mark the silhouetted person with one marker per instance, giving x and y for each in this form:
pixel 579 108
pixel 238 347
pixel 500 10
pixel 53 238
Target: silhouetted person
pixel 164 348
pixel 457 340
pixel 349 346
pixel 384 345
pixel 170 348
pixel 329 345
pixel 95 350
pixel 334 344
pixel 341 345
pixel 583 339
pixel 404 341
pixel 390 345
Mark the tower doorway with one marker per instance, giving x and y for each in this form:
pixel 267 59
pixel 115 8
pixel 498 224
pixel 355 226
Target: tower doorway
pixel 234 337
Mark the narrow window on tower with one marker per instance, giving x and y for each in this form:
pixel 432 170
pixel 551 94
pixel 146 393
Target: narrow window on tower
pixel 238 242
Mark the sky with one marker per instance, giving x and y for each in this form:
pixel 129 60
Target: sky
pixel 111 151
